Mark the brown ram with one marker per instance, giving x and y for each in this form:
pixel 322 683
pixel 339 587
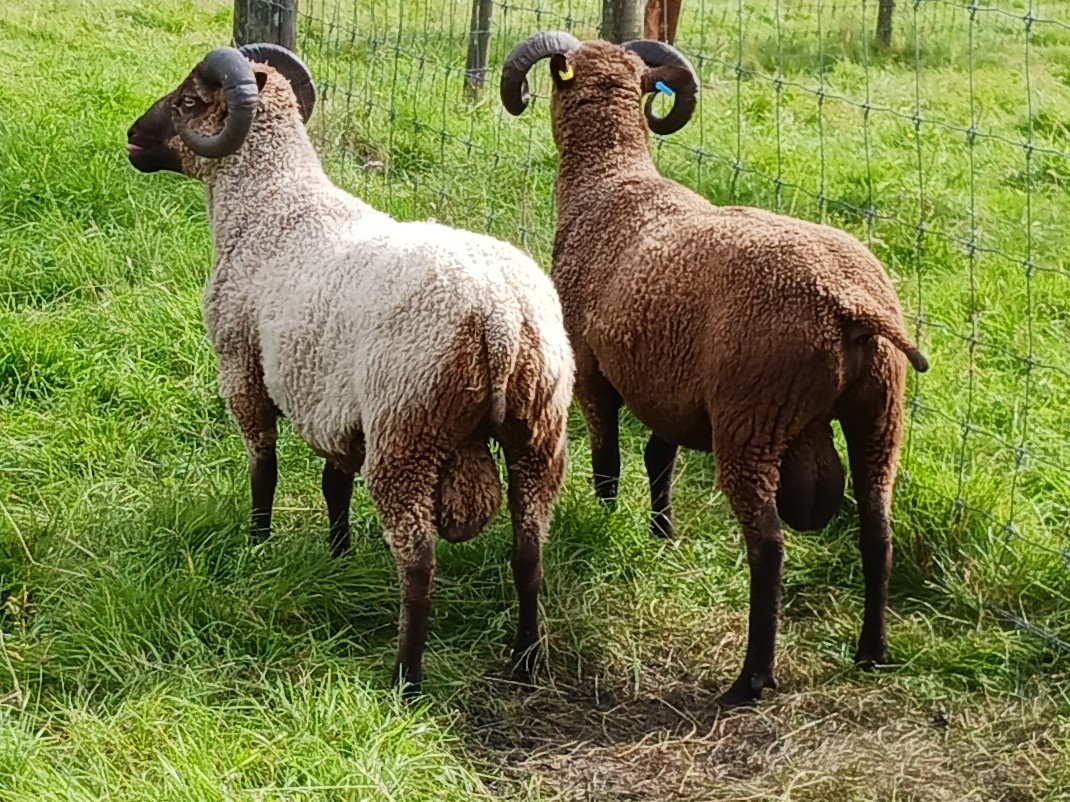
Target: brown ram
pixel 721 328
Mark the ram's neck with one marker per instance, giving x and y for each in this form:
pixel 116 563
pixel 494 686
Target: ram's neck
pixel 271 168
pixel 587 169
pixel 275 184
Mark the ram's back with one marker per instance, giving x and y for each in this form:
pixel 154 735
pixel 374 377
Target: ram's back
pixel 676 297
pixel 375 319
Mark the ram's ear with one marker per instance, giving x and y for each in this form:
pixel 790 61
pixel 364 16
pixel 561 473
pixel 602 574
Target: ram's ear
pixel 561 70
pixel 672 78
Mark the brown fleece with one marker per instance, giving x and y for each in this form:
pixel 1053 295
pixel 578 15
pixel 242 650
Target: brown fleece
pixel 729 329
pixel 431 469
pixel 469 492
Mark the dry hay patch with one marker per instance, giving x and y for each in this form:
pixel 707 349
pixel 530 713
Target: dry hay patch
pixel 848 743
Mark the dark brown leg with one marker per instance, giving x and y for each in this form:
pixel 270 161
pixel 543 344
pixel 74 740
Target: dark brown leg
pixel 875 543
pixel 873 429
pixel 256 417
pixel 338 493
pixel 417 575
pixel 263 477
pixel 402 485
pixel 749 475
pixel 765 555
pixel 750 437
pixel 600 404
pixel 536 472
pixel 660 459
pixel 674 18
pixel 658 12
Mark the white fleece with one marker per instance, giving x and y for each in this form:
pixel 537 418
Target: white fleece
pixel 350 313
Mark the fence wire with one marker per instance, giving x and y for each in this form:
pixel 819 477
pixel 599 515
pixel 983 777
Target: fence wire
pixel 947 152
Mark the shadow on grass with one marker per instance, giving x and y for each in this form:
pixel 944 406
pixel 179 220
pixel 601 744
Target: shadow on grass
pixel 673 742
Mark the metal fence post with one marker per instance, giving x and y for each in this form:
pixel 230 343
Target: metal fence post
pixel 271 21
pixel 622 20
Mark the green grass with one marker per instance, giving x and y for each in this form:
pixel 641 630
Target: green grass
pixel 147 651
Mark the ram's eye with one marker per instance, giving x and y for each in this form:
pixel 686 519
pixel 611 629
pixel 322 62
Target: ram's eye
pixel 188 102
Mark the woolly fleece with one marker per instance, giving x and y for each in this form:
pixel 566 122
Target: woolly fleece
pixel 729 329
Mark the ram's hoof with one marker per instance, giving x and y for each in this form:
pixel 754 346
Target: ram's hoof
pixel 746 691
pixel 525 663
pixel 868 658
pixel 661 526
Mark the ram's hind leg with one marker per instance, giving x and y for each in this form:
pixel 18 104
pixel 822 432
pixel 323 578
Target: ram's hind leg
pixel 536 452
pixel 750 436
pixel 401 475
pixel 872 420
pixel 748 476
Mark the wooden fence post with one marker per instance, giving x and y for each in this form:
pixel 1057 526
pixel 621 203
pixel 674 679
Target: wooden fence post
pixel 622 20
pixel 884 22
pixel 271 21
pixel 661 19
pixel 475 69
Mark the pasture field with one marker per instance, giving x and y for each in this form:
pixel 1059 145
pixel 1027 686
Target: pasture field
pixel 149 652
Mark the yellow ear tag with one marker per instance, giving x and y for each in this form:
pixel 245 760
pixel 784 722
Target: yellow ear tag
pixel 566 74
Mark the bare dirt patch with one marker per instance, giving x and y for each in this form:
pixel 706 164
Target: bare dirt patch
pixel 834 743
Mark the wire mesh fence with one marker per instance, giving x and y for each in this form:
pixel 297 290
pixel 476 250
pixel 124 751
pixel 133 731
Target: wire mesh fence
pixel 946 151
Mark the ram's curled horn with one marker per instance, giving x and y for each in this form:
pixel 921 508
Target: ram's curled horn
pixel 658 54
pixel 514 86
pixel 292 68
pixel 227 68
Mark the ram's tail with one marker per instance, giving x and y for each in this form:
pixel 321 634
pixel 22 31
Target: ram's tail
pixel 873 318
pixel 501 335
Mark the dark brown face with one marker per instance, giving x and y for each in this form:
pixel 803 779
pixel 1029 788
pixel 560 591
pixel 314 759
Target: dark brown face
pixel 209 114
pixel 149 140
pixel 152 143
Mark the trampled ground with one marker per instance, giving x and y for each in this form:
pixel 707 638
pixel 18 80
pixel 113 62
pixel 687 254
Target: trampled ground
pixel 148 652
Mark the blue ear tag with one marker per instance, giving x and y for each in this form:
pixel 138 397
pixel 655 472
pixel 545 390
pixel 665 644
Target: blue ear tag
pixel 664 88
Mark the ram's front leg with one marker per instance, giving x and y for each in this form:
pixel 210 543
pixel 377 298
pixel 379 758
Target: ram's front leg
pixel 257 419
pixel 337 487
pixel 600 404
pixel 660 459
